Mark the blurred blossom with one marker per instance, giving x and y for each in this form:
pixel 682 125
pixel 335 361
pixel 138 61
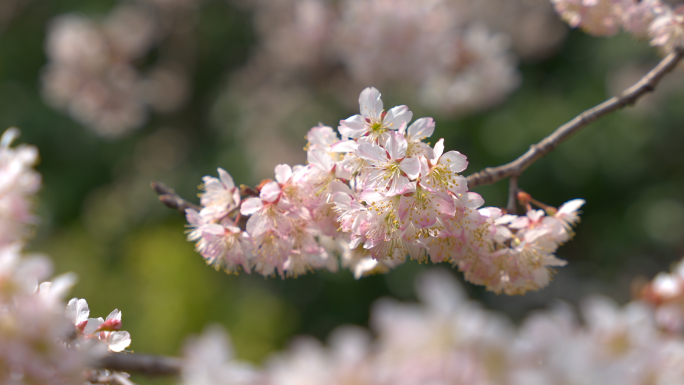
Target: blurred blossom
pixel 209 360
pixel 451 55
pixel 448 339
pixel 92 71
pixel 535 32
pixel 18 183
pixel 666 294
pixel 38 343
pixel 653 19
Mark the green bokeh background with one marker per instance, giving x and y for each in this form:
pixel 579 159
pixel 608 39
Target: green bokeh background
pixel 101 220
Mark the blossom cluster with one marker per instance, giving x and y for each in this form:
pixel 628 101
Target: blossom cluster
pixel 92 74
pixel 447 339
pixel 653 19
pixel 38 343
pixel 375 195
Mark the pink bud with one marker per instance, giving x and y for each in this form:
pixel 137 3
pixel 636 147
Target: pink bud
pixel 110 326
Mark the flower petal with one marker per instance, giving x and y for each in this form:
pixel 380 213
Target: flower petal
pixel 320 159
pixel 270 192
pixel 437 151
pixel 396 145
pixel 454 160
pixel 251 206
pixel 371 152
pixel 397 118
pixel 421 129
pixel 283 173
pixel 353 127
pixel 118 341
pixel 115 314
pixel 77 310
pixel 226 179
pixel 344 146
pixel 370 103
pixel 411 166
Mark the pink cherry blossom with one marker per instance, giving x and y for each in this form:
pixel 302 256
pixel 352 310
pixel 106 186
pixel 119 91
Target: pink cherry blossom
pixel 373 120
pixel 221 196
pixel 390 171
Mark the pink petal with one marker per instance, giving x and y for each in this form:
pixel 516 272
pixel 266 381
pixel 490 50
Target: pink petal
pixel 438 150
pixel 251 206
pixel 257 225
pixel 424 168
pixel 213 229
pixel 92 325
pixel 77 310
pixel 396 145
pixel 446 205
pixel 320 159
pixel 370 195
pixel 344 146
pixel 411 166
pixel 571 207
pixel 118 341
pixel 270 192
pixel 474 200
pixel 353 127
pixel 460 185
pixel 397 118
pixel 321 136
pixel 283 173
pixel 402 186
pixel 371 152
pixel 226 179
pixel 421 129
pixel 115 314
pixel 370 103
pixel 193 217
pixel 454 160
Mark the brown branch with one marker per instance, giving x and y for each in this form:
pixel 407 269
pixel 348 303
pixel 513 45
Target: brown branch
pixel 146 364
pixel 628 97
pixel 169 197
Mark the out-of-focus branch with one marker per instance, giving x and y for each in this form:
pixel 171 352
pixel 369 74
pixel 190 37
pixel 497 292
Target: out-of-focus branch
pixel 169 197
pixel 146 364
pixel 628 97
pixel 512 206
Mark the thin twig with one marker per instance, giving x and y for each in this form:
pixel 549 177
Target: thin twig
pixel 512 207
pixel 628 97
pixel 146 364
pixel 169 197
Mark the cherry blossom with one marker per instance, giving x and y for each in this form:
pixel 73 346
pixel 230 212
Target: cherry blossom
pixel 371 200
pixel 373 120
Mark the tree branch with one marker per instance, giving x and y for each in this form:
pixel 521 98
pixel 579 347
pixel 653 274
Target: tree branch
pixel 146 364
pixel 628 97
pixel 169 197
pixel 512 206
